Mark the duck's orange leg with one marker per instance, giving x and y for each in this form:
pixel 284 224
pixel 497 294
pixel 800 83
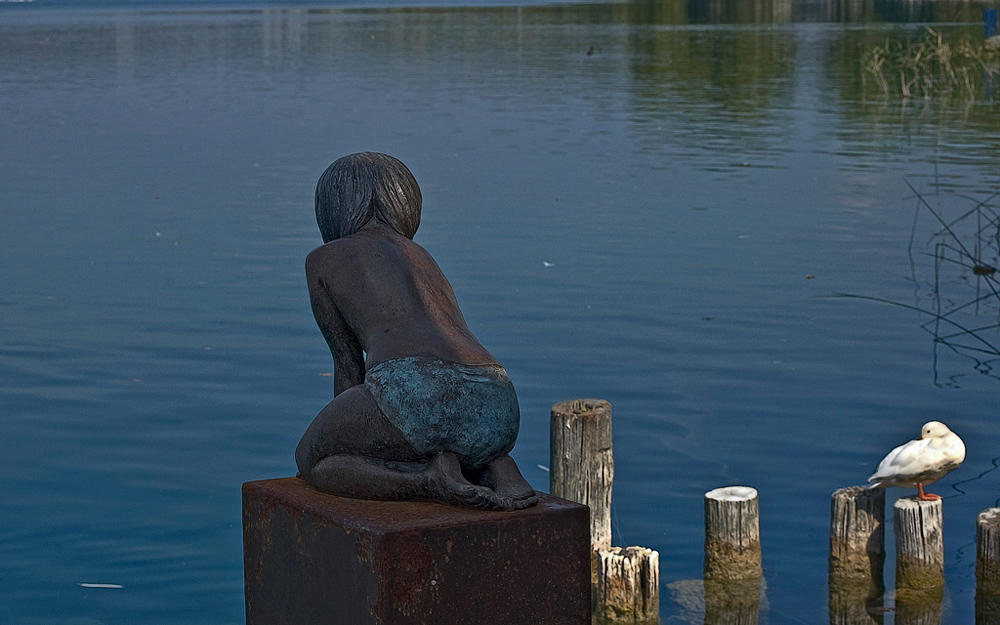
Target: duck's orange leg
pixel 926 496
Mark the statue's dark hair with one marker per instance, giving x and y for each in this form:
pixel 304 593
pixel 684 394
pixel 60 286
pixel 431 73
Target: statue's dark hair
pixel 360 187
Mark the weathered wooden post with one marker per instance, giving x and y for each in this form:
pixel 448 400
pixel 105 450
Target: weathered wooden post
pixel 582 466
pixel 919 532
pixel 857 554
pixel 857 537
pixel 988 567
pixel 919 526
pixel 625 582
pixel 988 552
pixel 733 569
pixel 732 534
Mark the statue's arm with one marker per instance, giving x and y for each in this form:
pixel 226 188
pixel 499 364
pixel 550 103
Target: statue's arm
pixel 348 355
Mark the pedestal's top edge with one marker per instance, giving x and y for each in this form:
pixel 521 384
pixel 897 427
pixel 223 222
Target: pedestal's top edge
pixel 391 515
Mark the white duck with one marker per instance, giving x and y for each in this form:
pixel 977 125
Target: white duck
pixel 936 453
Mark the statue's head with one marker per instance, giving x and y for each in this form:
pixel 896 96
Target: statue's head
pixel 361 187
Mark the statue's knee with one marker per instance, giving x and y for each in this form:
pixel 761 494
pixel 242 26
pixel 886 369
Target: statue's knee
pixel 304 460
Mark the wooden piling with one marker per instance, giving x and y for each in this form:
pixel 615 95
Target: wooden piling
pixel 628 586
pixel 988 552
pixel 988 567
pixel 732 534
pixel 581 466
pixel 857 555
pixel 857 539
pixel 919 533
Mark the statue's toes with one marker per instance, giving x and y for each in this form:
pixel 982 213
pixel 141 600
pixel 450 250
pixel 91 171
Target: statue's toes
pixel 521 503
pixel 483 498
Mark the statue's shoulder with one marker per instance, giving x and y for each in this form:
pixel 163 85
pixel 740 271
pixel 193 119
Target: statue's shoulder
pixel 333 253
pixel 364 253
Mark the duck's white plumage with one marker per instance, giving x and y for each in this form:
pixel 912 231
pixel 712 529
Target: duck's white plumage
pixel 936 453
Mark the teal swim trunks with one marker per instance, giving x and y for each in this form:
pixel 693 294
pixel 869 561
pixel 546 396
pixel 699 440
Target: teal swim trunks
pixel 470 410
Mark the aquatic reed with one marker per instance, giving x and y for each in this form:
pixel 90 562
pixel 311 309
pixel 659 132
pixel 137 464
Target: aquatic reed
pixel 932 66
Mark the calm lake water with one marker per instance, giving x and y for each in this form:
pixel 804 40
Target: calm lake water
pixel 652 203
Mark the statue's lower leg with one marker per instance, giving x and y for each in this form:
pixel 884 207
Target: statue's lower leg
pixel 503 477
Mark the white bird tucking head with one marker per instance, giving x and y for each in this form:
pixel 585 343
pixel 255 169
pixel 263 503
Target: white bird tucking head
pixel 936 453
pixel 934 429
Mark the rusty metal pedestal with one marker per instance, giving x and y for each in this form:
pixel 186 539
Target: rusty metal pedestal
pixel 316 559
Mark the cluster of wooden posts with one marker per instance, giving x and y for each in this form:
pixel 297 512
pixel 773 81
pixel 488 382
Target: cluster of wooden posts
pixel 625 581
pixel 857 555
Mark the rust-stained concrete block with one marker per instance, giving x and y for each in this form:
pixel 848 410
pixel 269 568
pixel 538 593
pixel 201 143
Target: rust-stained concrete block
pixel 316 559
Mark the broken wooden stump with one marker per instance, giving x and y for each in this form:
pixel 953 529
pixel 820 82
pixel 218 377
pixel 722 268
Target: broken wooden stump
pixel 628 586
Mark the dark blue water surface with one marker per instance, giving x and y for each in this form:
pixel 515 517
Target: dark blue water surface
pixel 649 203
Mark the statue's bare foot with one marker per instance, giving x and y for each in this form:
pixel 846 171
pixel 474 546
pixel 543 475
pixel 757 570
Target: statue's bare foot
pixel 503 477
pixel 448 485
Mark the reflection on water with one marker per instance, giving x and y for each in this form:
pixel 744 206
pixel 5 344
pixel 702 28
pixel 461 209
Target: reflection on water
pixel 966 253
pixel 648 202
pixel 953 266
pixel 856 608
pixel 987 609
pixel 919 607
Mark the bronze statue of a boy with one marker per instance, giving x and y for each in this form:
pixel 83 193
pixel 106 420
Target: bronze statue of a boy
pixel 421 411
